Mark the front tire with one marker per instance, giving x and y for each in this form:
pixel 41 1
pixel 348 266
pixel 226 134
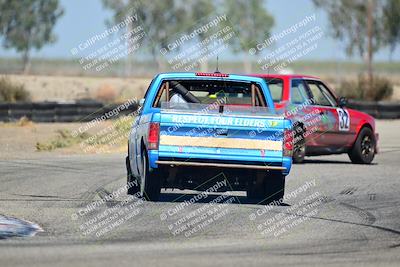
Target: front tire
pixel 363 150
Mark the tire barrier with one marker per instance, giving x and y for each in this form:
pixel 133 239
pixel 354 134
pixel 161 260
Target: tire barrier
pixel 87 111
pixel 59 112
pixel 379 110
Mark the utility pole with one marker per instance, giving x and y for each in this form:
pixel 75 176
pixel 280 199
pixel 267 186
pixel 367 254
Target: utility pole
pixel 370 30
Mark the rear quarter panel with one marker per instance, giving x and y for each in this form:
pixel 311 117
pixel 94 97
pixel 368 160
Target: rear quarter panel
pixel 358 121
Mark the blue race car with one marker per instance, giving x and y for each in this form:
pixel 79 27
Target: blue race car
pixel 198 130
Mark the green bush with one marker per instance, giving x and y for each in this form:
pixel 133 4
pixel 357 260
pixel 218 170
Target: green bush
pixel 10 92
pixel 381 89
pixel 64 138
pixel 350 90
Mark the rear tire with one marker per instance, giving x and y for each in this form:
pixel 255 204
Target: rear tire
pixel 270 188
pixel 363 150
pixel 150 184
pixel 132 183
pixel 274 187
pixel 255 192
pixel 299 147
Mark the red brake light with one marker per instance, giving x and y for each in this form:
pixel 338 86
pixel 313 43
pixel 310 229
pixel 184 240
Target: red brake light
pixel 154 135
pixel 288 143
pixel 212 74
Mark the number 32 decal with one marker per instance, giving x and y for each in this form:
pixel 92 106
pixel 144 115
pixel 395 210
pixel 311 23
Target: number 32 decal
pixel 344 119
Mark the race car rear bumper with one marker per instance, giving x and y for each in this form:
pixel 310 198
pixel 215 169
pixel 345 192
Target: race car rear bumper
pixel 220 165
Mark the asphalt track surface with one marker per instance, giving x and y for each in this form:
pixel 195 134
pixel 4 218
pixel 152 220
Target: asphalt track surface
pixel 349 215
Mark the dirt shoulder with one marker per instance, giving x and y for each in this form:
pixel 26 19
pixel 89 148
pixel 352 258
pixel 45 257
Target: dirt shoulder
pixel 31 139
pixel 61 88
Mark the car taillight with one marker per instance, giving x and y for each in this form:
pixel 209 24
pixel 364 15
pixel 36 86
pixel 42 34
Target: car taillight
pixel 288 143
pixel 154 135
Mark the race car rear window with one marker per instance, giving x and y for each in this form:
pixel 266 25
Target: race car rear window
pixel 210 91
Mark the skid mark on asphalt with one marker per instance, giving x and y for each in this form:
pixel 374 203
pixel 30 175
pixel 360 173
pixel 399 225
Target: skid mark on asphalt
pixel 349 191
pixel 368 219
pixel 92 192
pixel 103 193
pixel 34 164
pixel 326 199
pixel 44 196
pixel 367 216
pixel 38 200
pixel 394 246
pixel 377 227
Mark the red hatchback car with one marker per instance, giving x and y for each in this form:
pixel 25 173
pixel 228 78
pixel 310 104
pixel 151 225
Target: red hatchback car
pixel 322 123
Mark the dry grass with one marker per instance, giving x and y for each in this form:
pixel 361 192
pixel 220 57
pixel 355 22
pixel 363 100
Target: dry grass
pixel 12 91
pixel 24 122
pixel 20 139
pixel 106 93
pixel 60 88
pixel 111 137
pixel 63 139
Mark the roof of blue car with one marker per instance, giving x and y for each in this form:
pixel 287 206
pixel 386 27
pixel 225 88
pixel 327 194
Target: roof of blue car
pixel 204 75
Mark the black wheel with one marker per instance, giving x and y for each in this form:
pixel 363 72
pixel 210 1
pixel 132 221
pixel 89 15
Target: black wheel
pixel 150 181
pixel 255 191
pixel 274 186
pixel 268 187
pixel 299 146
pixel 132 183
pixel 363 150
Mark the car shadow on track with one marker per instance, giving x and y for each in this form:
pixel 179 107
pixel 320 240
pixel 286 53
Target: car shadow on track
pixel 182 197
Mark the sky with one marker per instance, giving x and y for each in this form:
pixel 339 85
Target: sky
pixel 82 19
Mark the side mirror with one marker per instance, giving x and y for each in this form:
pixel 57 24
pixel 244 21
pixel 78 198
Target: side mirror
pixel 342 101
pixel 141 102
